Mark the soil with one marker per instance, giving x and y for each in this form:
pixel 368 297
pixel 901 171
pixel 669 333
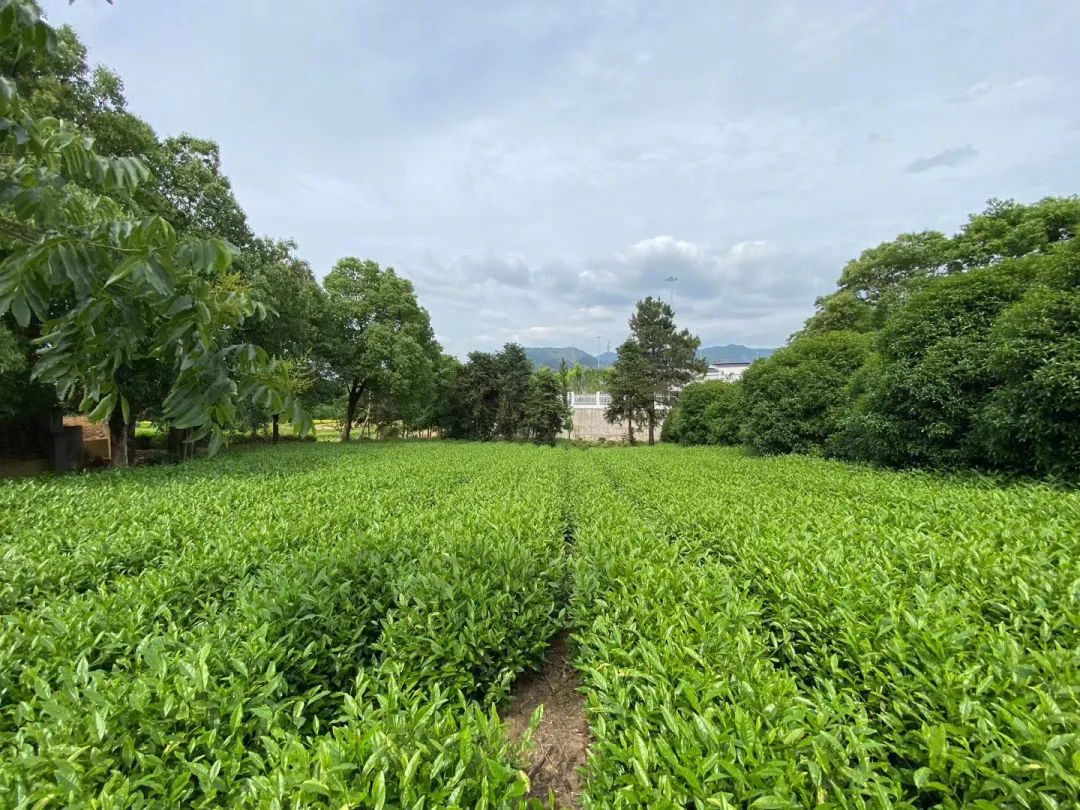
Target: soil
pixel 560 743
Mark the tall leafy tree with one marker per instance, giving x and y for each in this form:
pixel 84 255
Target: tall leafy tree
pixel 449 412
pixel 629 387
pixel 884 277
pixel 1006 229
pixel 296 307
pixel 669 356
pixel 377 340
pixel 107 290
pixel 564 379
pixel 515 373
pixel 479 381
pixel 546 411
pixel 194 193
pixel 797 399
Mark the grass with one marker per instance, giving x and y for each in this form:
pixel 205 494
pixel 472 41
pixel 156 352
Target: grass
pixel 326 625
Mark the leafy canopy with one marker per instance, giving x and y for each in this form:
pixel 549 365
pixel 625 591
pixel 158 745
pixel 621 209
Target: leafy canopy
pixel 106 288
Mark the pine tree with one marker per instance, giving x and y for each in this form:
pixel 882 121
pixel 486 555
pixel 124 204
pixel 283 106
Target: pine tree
pixel 669 357
pixel 629 387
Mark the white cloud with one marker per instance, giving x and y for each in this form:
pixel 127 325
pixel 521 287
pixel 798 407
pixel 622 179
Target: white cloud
pixel 550 166
pixel 594 313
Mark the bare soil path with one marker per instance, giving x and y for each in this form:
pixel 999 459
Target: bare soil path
pixel 560 744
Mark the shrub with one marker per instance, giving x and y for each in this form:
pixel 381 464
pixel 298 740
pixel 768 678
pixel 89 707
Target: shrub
pixel 797 400
pixel 979 369
pixel 707 413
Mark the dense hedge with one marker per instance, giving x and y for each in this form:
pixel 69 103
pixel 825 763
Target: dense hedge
pixel 980 369
pixel 934 352
pixel 797 400
pixel 707 413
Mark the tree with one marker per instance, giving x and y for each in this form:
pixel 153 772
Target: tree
pixel 708 413
pixel 479 382
pixel 295 305
pixel 546 411
pixel 194 194
pixel 1007 229
pixel 980 369
pixel 629 387
pixel 448 411
pixel 670 357
pixel 1031 420
pixel 842 311
pixel 797 399
pixel 881 270
pixel 515 373
pixel 378 339
pixel 582 380
pixel 107 292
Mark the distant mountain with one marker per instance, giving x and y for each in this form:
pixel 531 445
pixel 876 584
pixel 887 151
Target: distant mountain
pixel 551 357
pixel 733 353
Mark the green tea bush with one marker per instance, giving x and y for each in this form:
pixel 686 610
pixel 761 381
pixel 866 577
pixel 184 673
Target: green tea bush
pixel 304 629
pixel 334 626
pixel 797 633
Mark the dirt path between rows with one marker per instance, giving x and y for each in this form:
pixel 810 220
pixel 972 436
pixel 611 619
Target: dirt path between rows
pixel 560 743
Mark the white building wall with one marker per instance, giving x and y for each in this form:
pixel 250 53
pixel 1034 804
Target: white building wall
pixel 728 372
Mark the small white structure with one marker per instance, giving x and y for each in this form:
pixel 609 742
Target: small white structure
pixel 728 372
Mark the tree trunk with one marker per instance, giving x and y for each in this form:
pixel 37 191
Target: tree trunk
pixel 275 434
pixel 118 439
pixel 630 430
pixel 652 426
pixel 350 411
pixel 173 444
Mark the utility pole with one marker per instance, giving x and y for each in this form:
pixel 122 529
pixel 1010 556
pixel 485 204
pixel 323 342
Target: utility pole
pixel 671 291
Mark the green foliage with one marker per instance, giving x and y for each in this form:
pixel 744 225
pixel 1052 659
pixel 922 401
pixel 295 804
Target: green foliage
pixel 1007 229
pixel 1031 420
pixel 630 387
pixel 792 632
pixel 843 311
pixel 583 380
pixel 19 396
pixel 707 413
pixel 797 399
pixel 196 197
pixel 377 341
pixel 777 632
pixel 976 361
pixel 980 369
pixel 515 373
pixel 546 411
pixel 668 360
pixel 107 291
pixel 880 279
pixel 498 395
pixel 159 652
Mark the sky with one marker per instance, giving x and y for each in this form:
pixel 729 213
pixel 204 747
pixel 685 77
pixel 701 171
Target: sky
pixel 537 168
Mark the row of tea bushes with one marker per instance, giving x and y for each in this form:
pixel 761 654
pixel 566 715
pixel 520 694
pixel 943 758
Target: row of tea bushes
pixel 798 632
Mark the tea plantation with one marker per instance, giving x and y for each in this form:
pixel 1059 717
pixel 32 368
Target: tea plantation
pixel 335 626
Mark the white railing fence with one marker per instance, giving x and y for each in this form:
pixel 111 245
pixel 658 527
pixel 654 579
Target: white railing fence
pixel 589 400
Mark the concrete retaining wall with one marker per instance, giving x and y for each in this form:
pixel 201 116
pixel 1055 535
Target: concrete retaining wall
pixel 590 425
